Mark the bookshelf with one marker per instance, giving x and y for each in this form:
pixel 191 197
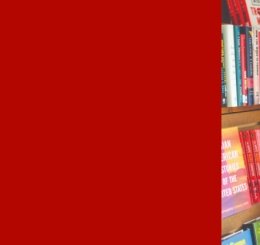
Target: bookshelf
pixel 244 117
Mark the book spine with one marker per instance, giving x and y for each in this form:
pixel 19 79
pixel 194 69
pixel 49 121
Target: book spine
pixel 243 68
pixel 255 65
pixel 223 75
pixel 238 65
pixel 251 165
pixel 255 140
pixel 232 13
pixel 238 12
pixel 245 12
pixel 246 165
pixel 258 63
pixel 249 65
pixel 250 226
pixel 230 65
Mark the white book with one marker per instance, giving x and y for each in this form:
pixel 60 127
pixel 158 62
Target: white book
pixel 229 50
pixel 255 64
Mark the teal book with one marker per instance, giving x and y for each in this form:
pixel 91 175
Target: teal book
pixel 238 64
pixel 241 237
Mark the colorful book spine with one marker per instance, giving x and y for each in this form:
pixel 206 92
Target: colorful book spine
pixel 249 65
pixel 255 140
pixel 243 68
pixel 255 64
pixel 223 75
pixel 230 65
pixel 238 13
pixel 246 164
pixel 232 13
pixel 238 65
pixel 245 12
pixel 258 62
pixel 251 165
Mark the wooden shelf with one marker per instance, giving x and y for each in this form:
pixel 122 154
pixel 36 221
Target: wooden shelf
pixel 234 223
pixel 228 110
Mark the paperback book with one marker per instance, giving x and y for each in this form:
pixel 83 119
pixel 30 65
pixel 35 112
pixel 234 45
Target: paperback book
pixel 235 194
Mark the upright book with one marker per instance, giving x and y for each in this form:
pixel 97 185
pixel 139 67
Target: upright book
pixel 231 9
pixel 230 65
pixel 247 170
pixel 255 38
pixel 243 68
pixel 234 192
pixel 241 237
pixel 223 76
pixel 255 140
pixel 251 165
pixel 238 64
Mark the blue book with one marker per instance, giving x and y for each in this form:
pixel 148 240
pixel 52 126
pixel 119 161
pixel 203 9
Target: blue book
pixel 238 65
pixel 239 237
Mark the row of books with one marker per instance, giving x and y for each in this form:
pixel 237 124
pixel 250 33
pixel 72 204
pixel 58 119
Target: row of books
pixel 240 66
pixel 240 169
pixel 249 234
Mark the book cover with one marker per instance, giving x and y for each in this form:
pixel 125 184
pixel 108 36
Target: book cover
pixel 238 13
pixel 235 194
pixel 246 164
pixel 238 64
pixel 255 38
pixel 251 165
pixel 243 68
pixel 230 65
pixel 232 13
pixel 241 237
pixel 254 227
pixel 245 12
pixel 253 9
pixel 255 140
pixel 223 76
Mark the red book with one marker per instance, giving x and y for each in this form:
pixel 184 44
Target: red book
pixel 232 13
pixel 255 139
pixel 245 12
pixel 243 68
pixel 238 12
pixel 251 165
pixel 246 164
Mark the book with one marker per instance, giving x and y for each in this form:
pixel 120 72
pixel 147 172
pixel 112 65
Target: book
pixel 243 68
pixel 249 64
pixel 253 9
pixel 238 64
pixel 251 165
pixel 255 140
pixel 241 237
pixel 254 227
pixel 247 170
pixel 232 13
pixel 238 13
pixel 255 64
pixel 223 76
pixel 230 65
pixel 235 194
pixel 245 12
